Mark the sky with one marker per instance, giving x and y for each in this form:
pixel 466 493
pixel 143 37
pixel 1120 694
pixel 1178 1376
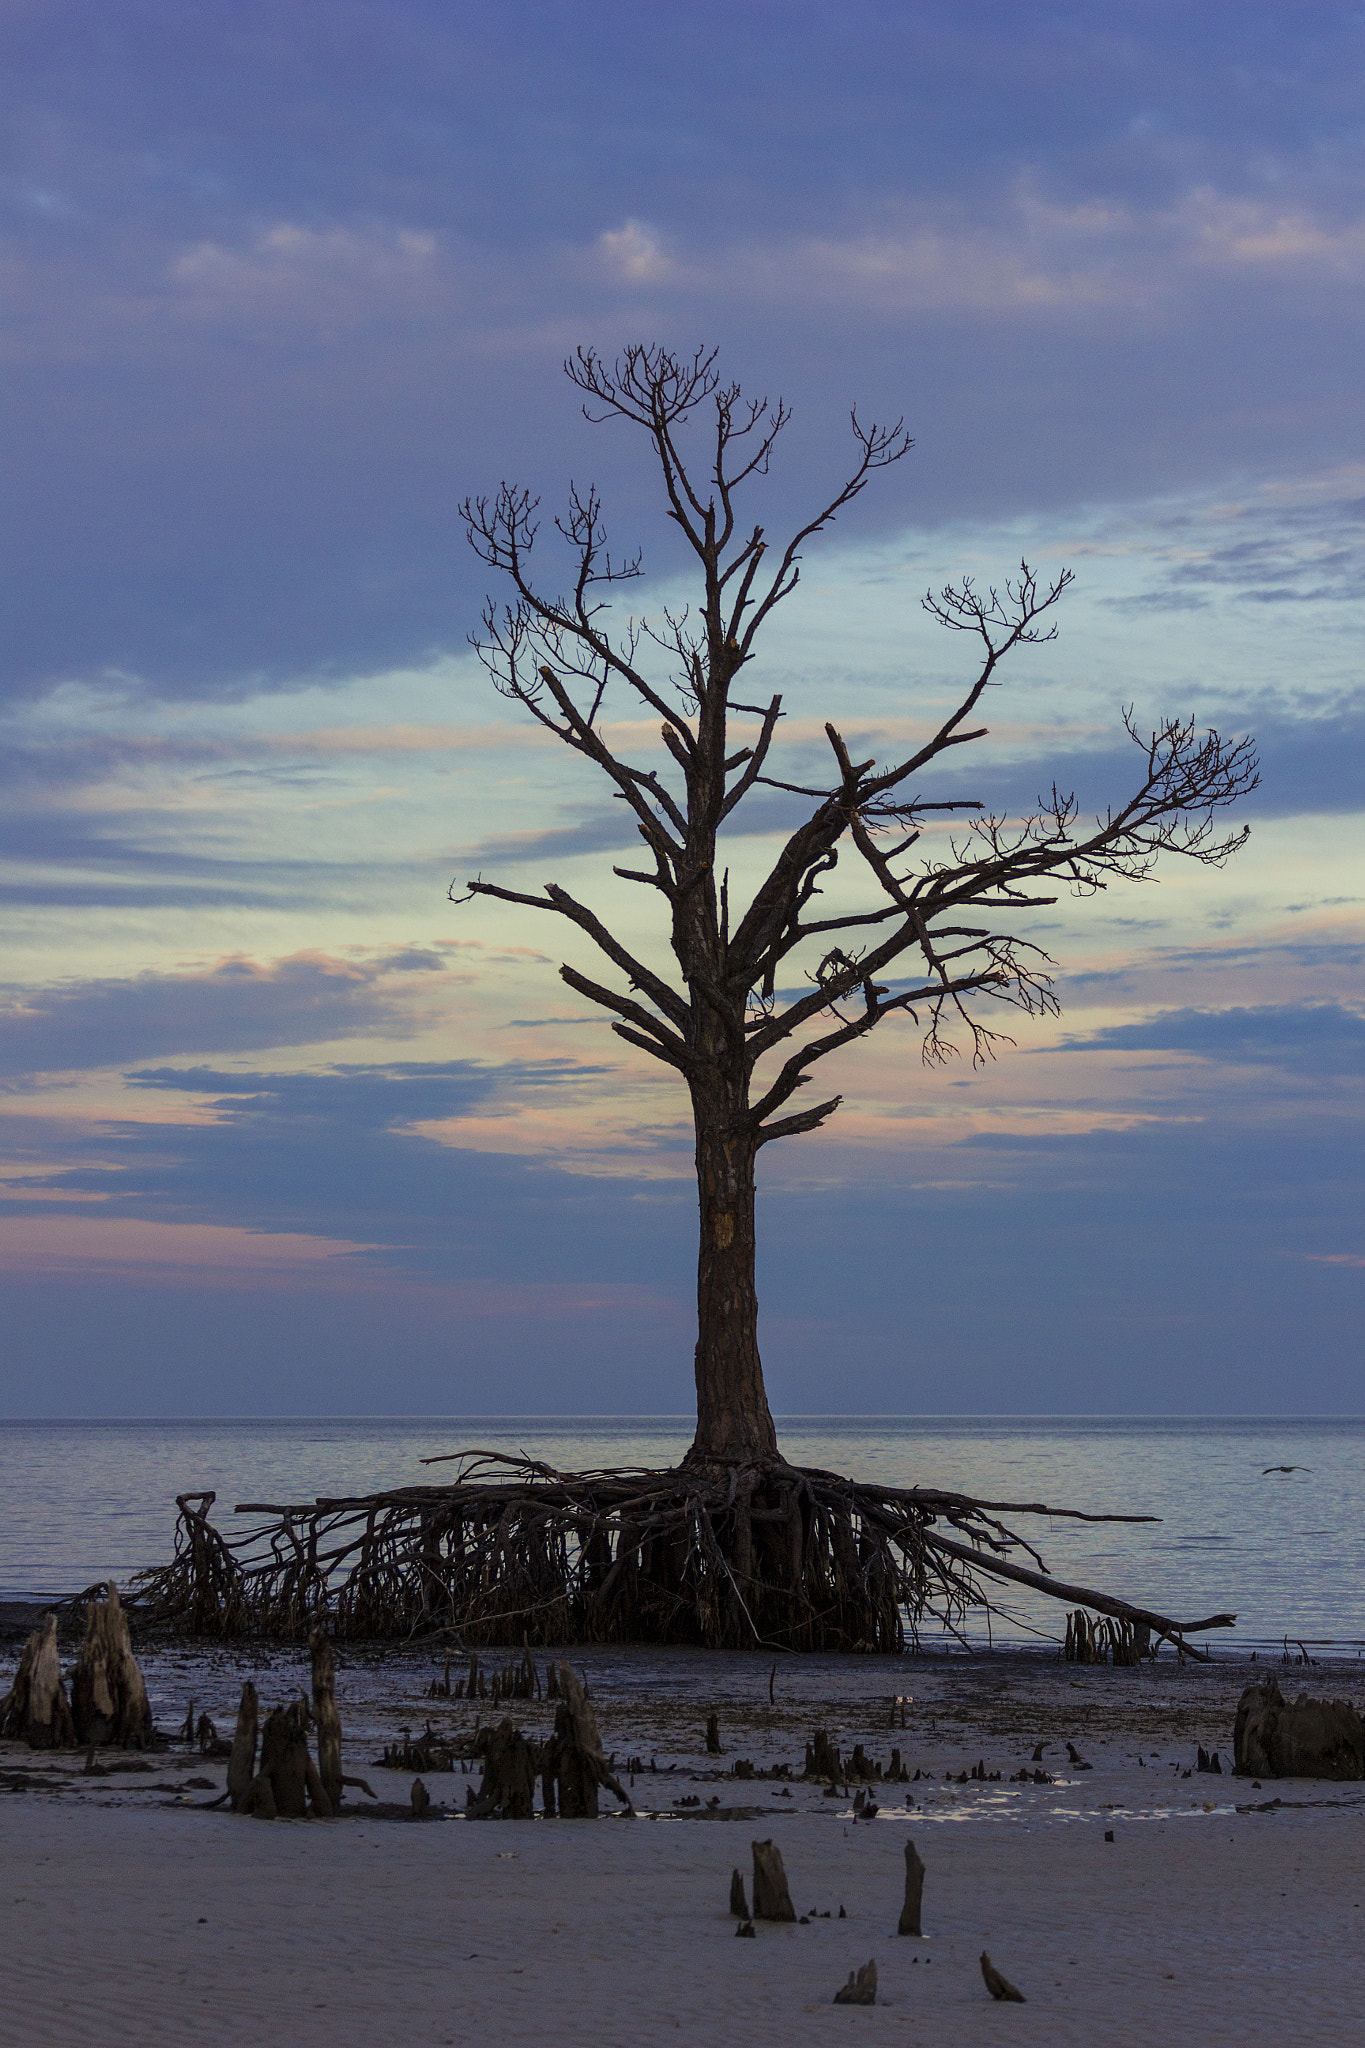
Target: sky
pixel 286 1131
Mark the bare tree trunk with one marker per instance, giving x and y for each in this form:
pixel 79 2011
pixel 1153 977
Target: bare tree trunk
pixel 734 1425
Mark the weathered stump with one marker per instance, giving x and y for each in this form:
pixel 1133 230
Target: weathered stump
pixel 509 1776
pixel 712 1735
pixel 1310 1739
pixel 822 1758
pixel 739 1905
pixel 326 1719
pixel 108 1697
pixel 999 1986
pixel 242 1762
pixel 287 1783
pixel 574 1753
pixel 914 1892
pixel 35 1709
pixel 861 1988
pixel 772 1900
pixel 419 1799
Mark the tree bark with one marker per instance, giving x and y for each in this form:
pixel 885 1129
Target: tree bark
pixel 734 1423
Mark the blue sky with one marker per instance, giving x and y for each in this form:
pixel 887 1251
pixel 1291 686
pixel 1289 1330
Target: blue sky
pixel 286 1131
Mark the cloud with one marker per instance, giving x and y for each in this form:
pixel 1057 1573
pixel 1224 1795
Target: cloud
pixel 275 309
pixel 1319 1038
pixel 339 273
pixel 53 1243
pixel 334 1155
pixel 232 1005
pixel 634 252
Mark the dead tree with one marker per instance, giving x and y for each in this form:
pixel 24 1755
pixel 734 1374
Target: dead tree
pixel 735 1547
pixel 934 939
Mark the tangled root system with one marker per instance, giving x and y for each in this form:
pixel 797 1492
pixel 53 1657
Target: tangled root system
pixel 511 1551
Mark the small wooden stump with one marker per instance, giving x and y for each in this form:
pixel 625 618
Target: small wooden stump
pixel 326 1719
pixel 999 1986
pixel 287 1783
pixel 572 1762
pixel 108 1698
pixel 509 1776
pixel 772 1900
pixel 861 1988
pixel 35 1710
pixel 420 1799
pixel 739 1905
pixel 712 1735
pixel 914 1892
pixel 822 1758
pixel 242 1763
pixel 1310 1739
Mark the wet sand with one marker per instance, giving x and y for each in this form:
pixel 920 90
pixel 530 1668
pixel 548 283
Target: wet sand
pixel 130 1915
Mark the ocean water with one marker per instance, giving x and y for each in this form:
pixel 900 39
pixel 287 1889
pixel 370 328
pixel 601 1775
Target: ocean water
pixel 81 1501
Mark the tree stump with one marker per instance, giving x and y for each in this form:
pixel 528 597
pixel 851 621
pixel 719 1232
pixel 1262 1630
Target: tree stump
pixel 861 1988
pixel 1311 1739
pixel 712 1735
pixel 914 1892
pixel 574 1753
pixel 739 1905
pixel 509 1775
pixel 35 1709
pixel 287 1783
pixel 998 1985
pixel 772 1900
pixel 419 1799
pixel 822 1758
pixel 326 1719
pixel 242 1763
pixel 108 1698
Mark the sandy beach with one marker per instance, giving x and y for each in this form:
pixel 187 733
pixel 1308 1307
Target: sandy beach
pixel 1220 1911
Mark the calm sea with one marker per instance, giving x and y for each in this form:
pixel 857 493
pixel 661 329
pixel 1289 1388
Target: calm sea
pixel 1286 1551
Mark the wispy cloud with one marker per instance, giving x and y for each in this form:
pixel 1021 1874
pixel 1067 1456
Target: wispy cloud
pixel 232 1005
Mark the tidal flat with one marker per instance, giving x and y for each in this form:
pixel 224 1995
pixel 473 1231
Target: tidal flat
pixel 1219 1911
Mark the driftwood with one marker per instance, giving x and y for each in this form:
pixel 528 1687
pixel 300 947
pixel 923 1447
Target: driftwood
pixel 1310 1739
pixel 772 1900
pixel 109 1704
pixel 861 1988
pixel 35 1710
pixel 326 1719
pixel 513 1551
pixel 914 1892
pixel 998 1985
pixel 242 1763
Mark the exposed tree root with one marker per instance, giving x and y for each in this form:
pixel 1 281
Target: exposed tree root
pixel 512 1551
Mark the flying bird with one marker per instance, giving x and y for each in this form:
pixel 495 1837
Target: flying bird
pixel 1285 1468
